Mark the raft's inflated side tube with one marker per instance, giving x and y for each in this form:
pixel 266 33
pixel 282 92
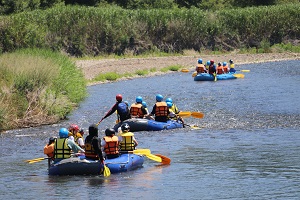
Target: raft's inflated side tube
pixel 209 77
pixel 136 124
pixel 76 166
pixel 157 126
pixel 124 163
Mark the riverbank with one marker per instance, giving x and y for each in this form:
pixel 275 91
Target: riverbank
pixel 91 68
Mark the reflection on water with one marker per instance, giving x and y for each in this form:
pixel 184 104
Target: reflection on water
pixel 248 146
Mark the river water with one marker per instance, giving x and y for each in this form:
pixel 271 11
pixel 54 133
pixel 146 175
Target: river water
pixel 248 146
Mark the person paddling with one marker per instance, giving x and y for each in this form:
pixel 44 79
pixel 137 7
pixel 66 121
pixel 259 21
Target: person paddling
pixel 122 110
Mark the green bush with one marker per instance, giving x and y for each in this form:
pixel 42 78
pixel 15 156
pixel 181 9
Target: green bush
pixel 89 31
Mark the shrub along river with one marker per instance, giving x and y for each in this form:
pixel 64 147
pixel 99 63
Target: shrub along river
pixel 248 146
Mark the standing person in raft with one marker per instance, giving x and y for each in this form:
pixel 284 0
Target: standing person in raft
pixel 122 110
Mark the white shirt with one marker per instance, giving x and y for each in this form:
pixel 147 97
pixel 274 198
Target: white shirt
pixel 80 142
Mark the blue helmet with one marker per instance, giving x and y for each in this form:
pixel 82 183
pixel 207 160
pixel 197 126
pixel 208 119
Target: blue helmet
pixel 224 63
pixel 169 104
pixel 200 61
pixel 169 100
pixel 159 97
pixel 144 104
pixel 139 99
pixel 63 133
pixel 208 63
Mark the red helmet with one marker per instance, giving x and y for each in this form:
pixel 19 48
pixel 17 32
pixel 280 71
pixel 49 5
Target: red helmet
pixel 212 61
pixel 73 127
pixel 119 97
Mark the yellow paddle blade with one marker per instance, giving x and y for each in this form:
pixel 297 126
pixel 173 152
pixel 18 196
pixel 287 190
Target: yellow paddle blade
pixel 215 76
pixel 184 114
pixel 142 151
pixel 154 157
pixel 197 114
pixel 245 70
pixel 185 70
pixel 35 159
pixel 106 171
pixel 193 126
pixel 239 75
pixel 194 74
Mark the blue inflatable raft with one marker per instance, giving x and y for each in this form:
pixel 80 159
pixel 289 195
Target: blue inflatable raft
pixel 124 163
pixel 137 124
pixel 83 166
pixel 209 77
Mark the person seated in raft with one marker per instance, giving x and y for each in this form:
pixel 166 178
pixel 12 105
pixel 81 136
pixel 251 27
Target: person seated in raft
pixel 207 65
pixel 174 109
pixel 145 106
pixel 172 114
pixel 79 138
pixel 73 130
pixel 110 144
pixel 126 138
pixel 93 144
pixel 212 67
pixel 231 66
pixel 49 148
pixel 160 110
pixel 137 110
pixel 200 68
pixel 225 67
pixel 63 146
pixel 220 68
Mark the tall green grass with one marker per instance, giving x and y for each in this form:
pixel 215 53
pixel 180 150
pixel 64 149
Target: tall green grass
pixel 37 87
pixel 90 31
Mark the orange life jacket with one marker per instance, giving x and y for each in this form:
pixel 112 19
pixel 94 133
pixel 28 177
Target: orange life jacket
pixel 200 68
pixel 112 145
pixel 49 150
pixel 219 70
pixel 136 110
pixel 161 109
pixel 225 68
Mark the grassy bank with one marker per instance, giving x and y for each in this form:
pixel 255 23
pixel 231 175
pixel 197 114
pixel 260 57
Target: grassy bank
pixel 37 87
